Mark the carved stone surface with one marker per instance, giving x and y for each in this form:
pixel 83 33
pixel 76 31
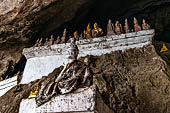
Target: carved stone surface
pixel 86 100
pixel 43 60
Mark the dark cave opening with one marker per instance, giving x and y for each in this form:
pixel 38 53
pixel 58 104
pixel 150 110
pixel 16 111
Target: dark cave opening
pixel 15 68
pixel 101 13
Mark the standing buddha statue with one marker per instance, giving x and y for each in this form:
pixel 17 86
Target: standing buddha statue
pixel 110 28
pixel 137 27
pixel 118 28
pixel 88 33
pixel 126 27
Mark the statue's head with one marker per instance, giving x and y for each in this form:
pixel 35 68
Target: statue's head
pixel 135 21
pixel 72 52
pixel 126 21
pixel 116 24
pixel 95 26
pixel 110 21
pixel 144 21
pixel 52 36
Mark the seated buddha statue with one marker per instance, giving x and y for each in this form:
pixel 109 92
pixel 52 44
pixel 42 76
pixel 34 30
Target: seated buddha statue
pixel 97 31
pixel 35 91
pixel 145 26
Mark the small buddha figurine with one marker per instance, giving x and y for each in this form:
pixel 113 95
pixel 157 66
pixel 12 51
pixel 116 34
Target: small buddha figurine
pixel 110 28
pixel 164 48
pixel 40 43
pixel 118 28
pixel 63 38
pixel 84 33
pixel 145 26
pixel 36 44
pixel 76 36
pixel 1 79
pixel 88 33
pixel 51 42
pixel 126 27
pixel 96 32
pixel 137 27
pixel 35 91
pixel 81 37
pixel 57 41
pixel 69 39
pixel 46 42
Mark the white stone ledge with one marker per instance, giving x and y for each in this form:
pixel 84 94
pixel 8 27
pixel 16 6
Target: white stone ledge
pixel 61 49
pixel 6 85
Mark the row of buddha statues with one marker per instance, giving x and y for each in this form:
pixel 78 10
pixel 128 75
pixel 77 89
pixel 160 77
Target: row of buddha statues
pixel 112 29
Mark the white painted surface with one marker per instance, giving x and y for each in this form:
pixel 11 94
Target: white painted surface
pixel 83 100
pixel 7 85
pixel 43 60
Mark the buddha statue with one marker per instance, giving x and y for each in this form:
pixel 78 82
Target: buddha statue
pixel 63 38
pixel 57 41
pixel 137 27
pixel 97 31
pixel 40 43
pixel 126 27
pixel 51 41
pixel 110 28
pixel 46 42
pixel 81 37
pixel 118 28
pixel 76 36
pixel 36 44
pixel 35 91
pixel 88 33
pixel 145 26
pixel 1 79
pixel 164 48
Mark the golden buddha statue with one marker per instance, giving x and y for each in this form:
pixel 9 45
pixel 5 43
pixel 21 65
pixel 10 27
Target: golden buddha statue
pixel 96 32
pixel 1 79
pixel 164 48
pixel 118 28
pixel 88 31
pixel 34 93
pixel 76 36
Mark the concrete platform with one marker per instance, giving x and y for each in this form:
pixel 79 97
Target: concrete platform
pixel 86 100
